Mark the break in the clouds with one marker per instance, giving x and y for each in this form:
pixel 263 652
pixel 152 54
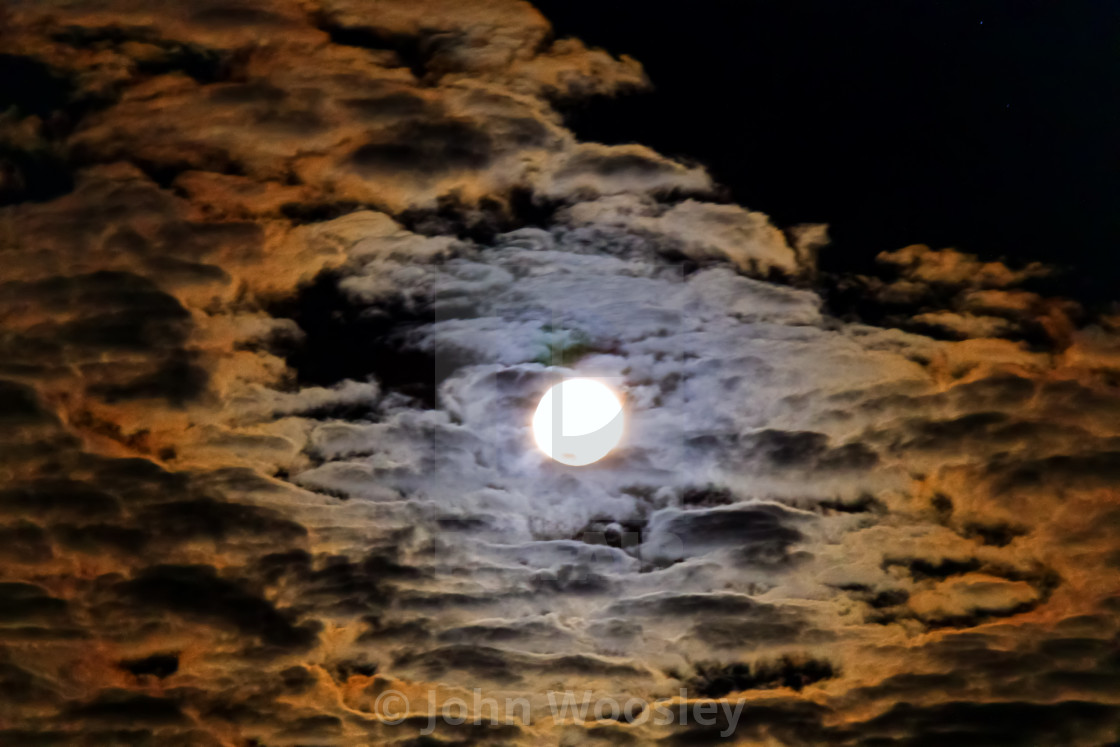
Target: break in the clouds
pixel 282 284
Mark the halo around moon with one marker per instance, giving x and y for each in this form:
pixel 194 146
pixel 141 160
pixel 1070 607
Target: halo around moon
pixel 578 421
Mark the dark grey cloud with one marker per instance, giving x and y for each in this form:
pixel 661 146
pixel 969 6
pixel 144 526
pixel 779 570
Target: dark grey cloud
pixel 197 591
pixel 426 148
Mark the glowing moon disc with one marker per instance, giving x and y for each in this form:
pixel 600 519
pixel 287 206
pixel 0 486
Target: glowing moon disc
pixel 578 421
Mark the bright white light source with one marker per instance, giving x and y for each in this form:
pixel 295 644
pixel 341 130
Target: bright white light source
pixel 578 421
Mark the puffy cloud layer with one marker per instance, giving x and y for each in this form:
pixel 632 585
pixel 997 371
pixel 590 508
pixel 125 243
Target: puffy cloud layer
pixel 282 285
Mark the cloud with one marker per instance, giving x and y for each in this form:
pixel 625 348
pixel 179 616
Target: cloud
pixel 951 295
pixel 919 263
pixel 283 285
pixel 700 231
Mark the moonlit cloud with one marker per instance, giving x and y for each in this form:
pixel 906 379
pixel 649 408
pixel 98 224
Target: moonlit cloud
pixel 271 346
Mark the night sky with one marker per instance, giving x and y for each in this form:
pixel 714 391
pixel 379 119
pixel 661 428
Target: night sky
pixel 283 282
pixel 985 126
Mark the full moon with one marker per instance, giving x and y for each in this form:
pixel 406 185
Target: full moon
pixel 578 421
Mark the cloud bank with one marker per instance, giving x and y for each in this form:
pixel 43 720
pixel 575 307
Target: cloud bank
pixel 283 283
